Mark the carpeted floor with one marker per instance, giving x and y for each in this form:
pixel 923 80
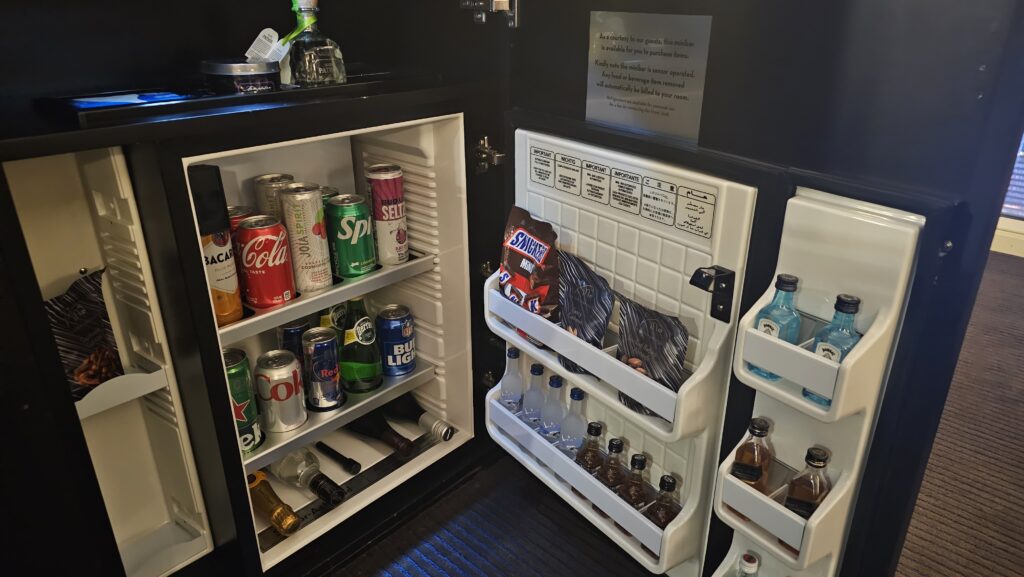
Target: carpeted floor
pixel 963 523
pixel 504 523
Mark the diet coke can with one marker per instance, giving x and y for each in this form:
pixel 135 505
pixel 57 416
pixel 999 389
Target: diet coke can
pixel 279 391
pixel 303 212
pixel 384 184
pixel 264 263
pixel 237 214
pixel 268 188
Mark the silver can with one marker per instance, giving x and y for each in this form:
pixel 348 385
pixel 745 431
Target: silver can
pixel 268 187
pixel 303 213
pixel 279 391
pixel 320 359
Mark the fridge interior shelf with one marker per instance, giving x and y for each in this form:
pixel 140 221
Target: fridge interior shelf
pixel 120 390
pixel 160 551
pixel 317 425
pixel 304 305
pixel 682 412
pixel 768 521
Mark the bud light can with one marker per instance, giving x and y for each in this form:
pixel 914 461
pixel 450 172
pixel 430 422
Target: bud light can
pixel 268 188
pixel 320 351
pixel 264 262
pixel 289 337
pixel 243 402
pixel 384 183
pixel 350 232
pixel 397 340
pixel 279 391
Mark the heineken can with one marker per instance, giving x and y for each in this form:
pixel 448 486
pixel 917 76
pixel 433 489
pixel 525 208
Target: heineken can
pixel 243 402
pixel 303 214
pixel 268 188
pixel 351 236
pixel 320 354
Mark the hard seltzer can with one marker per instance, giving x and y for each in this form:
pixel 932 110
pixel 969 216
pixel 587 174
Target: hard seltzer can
pixel 320 351
pixel 243 401
pixel 351 232
pixel 268 188
pixel 384 183
pixel 303 212
pixel 397 338
pixel 279 391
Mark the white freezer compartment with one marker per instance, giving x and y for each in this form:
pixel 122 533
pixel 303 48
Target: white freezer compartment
pixel 433 284
pixel 133 424
pixel 834 245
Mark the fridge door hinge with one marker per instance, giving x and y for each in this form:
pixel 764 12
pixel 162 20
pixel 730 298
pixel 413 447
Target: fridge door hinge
pixel 480 9
pixel 486 156
pixel 720 282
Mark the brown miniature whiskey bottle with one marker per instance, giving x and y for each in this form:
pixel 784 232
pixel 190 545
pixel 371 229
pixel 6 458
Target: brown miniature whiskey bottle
pixel 634 490
pixel 612 473
pixel 808 489
pixel 590 456
pixel 667 506
pixel 754 456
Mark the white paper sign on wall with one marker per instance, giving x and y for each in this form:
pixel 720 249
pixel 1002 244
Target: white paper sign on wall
pixel 646 72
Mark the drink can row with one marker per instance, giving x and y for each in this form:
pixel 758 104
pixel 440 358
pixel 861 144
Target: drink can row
pixel 396 335
pixel 243 400
pixel 268 190
pixel 320 353
pixel 303 211
pixel 385 184
pixel 351 232
pixel 261 246
pixel 280 391
pixel 236 214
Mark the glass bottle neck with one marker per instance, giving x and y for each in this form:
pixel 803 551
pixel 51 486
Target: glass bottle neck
pixel 554 394
pixel 843 321
pixel 667 497
pixel 783 299
pixel 511 366
pixel 613 459
pixel 576 407
pixel 307 18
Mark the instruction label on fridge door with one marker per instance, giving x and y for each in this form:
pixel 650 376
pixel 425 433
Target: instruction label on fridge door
pixel 567 174
pixel 658 200
pixel 542 166
pixel 596 182
pixel 646 71
pixel 626 191
pixel 695 211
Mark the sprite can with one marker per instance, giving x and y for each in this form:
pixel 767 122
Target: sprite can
pixel 243 401
pixel 350 231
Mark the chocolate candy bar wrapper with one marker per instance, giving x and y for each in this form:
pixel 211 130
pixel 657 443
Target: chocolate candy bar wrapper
pixel 585 301
pixel 655 343
pixel 529 266
pixel 85 340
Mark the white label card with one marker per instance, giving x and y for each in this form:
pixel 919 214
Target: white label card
pixel 266 47
pixel 646 72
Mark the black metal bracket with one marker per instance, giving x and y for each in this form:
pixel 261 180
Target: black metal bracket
pixel 720 282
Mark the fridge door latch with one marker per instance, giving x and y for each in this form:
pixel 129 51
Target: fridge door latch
pixel 720 282
pixel 486 156
pixel 480 9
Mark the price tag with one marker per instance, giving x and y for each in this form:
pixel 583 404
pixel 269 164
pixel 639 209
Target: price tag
pixel 266 47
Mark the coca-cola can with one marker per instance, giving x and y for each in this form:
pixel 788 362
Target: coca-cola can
pixel 385 184
pixel 237 214
pixel 303 212
pixel 264 263
pixel 279 391
pixel 268 188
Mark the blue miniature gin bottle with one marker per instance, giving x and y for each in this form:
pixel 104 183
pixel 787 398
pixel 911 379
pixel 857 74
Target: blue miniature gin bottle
pixel 779 319
pixel 835 339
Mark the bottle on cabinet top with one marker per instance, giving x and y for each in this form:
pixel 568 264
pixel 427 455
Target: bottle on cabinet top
pixel 533 398
pixel 667 505
pixel 755 455
pixel 512 382
pixel 835 339
pixel 779 319
pixel 574 426
pixel 808 489
pixel 553 413
pixel 301 468
pixel 315 59
pixel 590 456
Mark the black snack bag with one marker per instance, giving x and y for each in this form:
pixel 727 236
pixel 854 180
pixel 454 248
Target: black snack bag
pixel 586 302
pixel 529 265
pixel 85 340
pixel 652 343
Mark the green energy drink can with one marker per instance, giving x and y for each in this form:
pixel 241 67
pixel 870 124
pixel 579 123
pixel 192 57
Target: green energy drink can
pixel 243 400
pixel 350 232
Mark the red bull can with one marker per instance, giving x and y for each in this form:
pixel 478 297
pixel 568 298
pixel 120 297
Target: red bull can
pixel 320 351
pixel 397 339
pixel 279 391
pixel 385 184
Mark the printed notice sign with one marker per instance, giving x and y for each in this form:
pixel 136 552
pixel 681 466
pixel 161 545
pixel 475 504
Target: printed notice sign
pixel 646 71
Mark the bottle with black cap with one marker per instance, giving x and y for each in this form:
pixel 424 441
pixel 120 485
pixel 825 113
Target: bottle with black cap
pixel 779 319
pixel 835 339
pixel 635 490
pixel 612 473
pixel 215 230
pixel 667 506
pixel 755 455
pixel 808 489
pixel 301 468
